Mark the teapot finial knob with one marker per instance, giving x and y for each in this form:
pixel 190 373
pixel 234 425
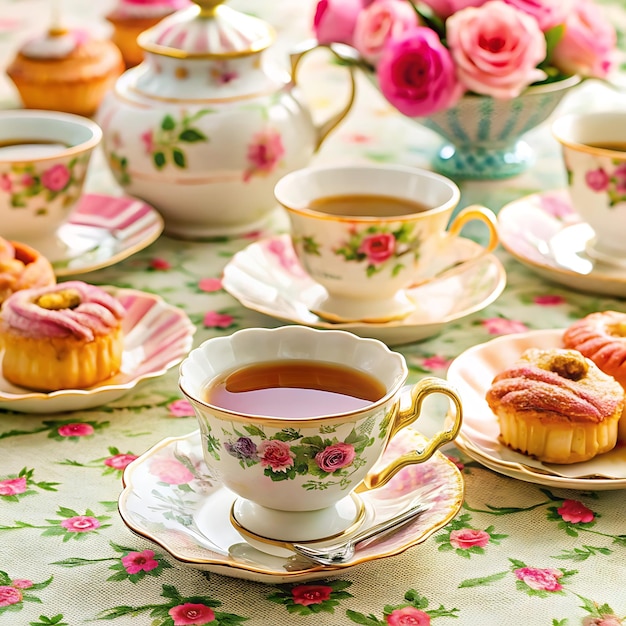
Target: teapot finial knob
pixel 207 7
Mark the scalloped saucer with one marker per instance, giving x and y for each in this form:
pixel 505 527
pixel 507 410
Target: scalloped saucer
pixel 472 372
pixel 543 232
pixel 157 336
pixel 267 277
pixel 170 499
pixel 102 231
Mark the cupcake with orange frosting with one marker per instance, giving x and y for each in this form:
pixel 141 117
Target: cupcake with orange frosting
pixel 66 336
pixel 556 406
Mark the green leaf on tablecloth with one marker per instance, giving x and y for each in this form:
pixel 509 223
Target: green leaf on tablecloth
pixel 484 580
pixel 365 620
pixel 582 554
pixel 55 620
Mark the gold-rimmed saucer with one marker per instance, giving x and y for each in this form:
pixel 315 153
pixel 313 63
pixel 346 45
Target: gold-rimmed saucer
pixel 170 499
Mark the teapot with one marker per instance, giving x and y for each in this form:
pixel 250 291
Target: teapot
pixel 205 126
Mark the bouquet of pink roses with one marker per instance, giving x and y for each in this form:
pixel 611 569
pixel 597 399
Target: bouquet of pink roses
pixel 427 54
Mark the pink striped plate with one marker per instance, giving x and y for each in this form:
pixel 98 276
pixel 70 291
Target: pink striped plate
pixel 104 230
pixel 157 336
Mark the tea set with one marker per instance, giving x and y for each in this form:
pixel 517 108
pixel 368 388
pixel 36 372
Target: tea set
pixel 209 139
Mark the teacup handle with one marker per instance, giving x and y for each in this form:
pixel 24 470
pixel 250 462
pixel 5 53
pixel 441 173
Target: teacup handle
pixel 344 54
pixel 407 416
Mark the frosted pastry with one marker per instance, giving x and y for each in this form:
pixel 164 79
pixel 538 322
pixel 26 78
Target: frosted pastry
pixel 22 267
pixel 601 337
pixel 68 336
pixel 556 406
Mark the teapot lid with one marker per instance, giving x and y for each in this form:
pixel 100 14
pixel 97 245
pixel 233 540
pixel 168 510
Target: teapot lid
pixel 207 29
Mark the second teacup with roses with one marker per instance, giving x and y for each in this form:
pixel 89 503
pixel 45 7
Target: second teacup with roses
pixel 369 233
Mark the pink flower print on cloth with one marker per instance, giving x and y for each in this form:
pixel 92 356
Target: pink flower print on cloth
pixel 468 537
pixel 189 614
pixel 264 153
pixel 408 616
pixel 80 524
pixel 575 512
pixel 546 579
pixel 119 461
pixel 12 486
pixel 311 594
pixel 135 562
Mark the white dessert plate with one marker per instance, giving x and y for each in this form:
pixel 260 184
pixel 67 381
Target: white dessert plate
pixel 102 231
pixel 543 232
pixel 472 373
pixel 157 336
pixel 170 499
pixel 267 277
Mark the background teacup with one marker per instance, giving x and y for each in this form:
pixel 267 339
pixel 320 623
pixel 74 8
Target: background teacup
pixel 367 233
pixel 44 157
pixel 594 153
pixel 295 466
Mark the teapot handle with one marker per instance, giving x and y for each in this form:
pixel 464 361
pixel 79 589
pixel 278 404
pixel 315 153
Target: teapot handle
pixel 350 58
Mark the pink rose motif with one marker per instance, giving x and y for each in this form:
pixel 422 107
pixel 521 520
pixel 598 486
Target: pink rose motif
pixel 334 20
pixel 416 74
pixel 619 175
pixel 604 620
pixel 546 579
pixel 180 408
pixel 56 178
pixel 501 326
pixel 378 248
pixel 76 429
pixel 335 456
pixel 213 319
pixel 9 595
pixel 5 183
pixel 264 153
pixel 190 613
pixel 160 264
pixel 556 206
pixel 436 362
pixel 496 48
pixel 135 562
pixel 170 471
pixel 120 461
pixel 588 43
pixel 80 524
pixel 27 180
pixel 285 256
pixel 445 8
pixel 209 285
pixel 468 538
pixel 378 23
pixel 311 594
pixel 575 512
pixel 548 13
pixel 148 141
pixel 550 300
pixel 12 486
pixel 456 461
pixel 598 180
pixel 22 583
pixel 408 616
pixel 276 454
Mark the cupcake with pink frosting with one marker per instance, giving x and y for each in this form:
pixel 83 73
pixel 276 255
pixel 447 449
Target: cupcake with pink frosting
pixel 65 336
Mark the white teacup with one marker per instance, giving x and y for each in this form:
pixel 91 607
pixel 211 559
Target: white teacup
pixel 44 157
pixel 594 153
pixel 297 468
pixel 367 233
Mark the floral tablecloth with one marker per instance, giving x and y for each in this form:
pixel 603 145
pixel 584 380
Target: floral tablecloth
pixel 517 552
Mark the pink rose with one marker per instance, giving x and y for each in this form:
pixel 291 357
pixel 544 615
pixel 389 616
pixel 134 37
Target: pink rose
pixel 5 183
pixel 80 524
pixel 335 457
pixel 180 408
pixel 77 429
pixel 9 595
pixel 468 538
pixel 575 512
pixel 501 326
pixel 604 620
pixel 191 614
pixel 310 594
pixel 549 300
pixel 22 583
pixel 378 248
pixel 334 20
pixel 276 454
pixel 148 141
pixel 12 486
pixel 445 8
pixel 120 461
pixel 417 75
pixel 496 48
pixel 135 562
pixel 213 319
pixel 408 616
pixel 170 471
pixel 598 180
pixel 160 264
pixel 378 23
pixel 541 579
pixel 548 13
pixel 56 178
pixel 588 43
pixel 436 362
pixel 264 153
pixel 209 285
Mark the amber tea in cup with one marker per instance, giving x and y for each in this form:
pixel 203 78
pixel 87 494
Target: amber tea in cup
pixel 366 205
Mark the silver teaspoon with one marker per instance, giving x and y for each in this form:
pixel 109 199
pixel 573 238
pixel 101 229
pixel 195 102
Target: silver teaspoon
pixel 340 553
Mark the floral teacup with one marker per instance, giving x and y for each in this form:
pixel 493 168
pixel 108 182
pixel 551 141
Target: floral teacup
pixel 594 153
pixel 297 476
pixel 366 261
pixel 44 157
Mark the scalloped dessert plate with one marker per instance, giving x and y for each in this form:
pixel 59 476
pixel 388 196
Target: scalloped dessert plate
pixel 472 372
pixel 267 277
pixel 170 499
pixel 157 336
pixel 102 231
pixel 543 232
